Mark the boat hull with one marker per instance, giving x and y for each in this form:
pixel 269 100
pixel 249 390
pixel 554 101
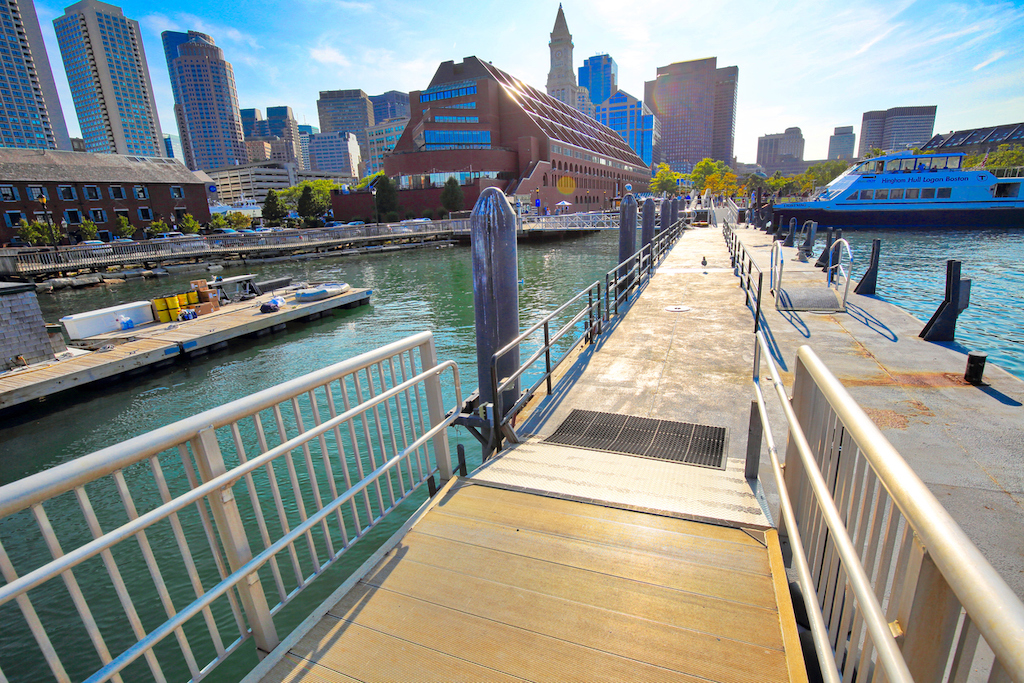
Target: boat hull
pixel 903 219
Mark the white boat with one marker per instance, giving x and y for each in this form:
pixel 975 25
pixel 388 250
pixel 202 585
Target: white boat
pixel 914 191
pixel 322 291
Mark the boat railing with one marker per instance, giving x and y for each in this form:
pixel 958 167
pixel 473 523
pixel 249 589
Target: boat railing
pixel 215 522
pixel 749 273
pixel 1008 172
pixel 580 320
pixel 894 589
pixel 840 266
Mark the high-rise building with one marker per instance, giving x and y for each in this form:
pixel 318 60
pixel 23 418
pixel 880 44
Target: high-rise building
pixel 842 144
pixel 279 128
pixel 696 104
pixel 561 78
pixel 346 111
pixel 335 153
pixel 172 146
pixel 205 101
pixel 109 78
pixel 252 123
pixel 390 105
pixel 304 132
pixel 30 113
pixel 600 76
pixel 381 139
pixel 895 129
pixel 281 123
pixel 779 150
pixel 634 122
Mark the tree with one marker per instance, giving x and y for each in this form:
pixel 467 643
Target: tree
pixel 824 173
pixel 387 197
pixel 721 183
pixel 311 205
pixel 665 181
pixel 188 225
pixel 368 180
pixel 125 227
pixel 321 189
pixel 158 227
pixel 218 222
pixel 238 220
pixel 704 168
pixel 35 233
pixel 874 152
pixel 451 197
pixel 273 209
pixel 88 229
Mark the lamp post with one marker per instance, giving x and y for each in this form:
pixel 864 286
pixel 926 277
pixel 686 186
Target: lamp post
pixel 64 229
pixel 373 195
pixel 46 217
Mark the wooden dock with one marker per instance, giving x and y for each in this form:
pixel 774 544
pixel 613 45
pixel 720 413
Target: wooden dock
pixel 156 344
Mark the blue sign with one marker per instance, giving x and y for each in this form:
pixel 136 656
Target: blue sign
pixel 536 202
pixel 212 188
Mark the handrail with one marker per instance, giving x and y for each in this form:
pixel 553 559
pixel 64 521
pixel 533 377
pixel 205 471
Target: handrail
pixel 744 267
pixel 775 278
pixel 836 269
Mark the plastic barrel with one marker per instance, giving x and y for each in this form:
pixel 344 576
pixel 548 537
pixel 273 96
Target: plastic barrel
pixel 193 297
pixel 160 304
pixel 183 299
pixel 164 316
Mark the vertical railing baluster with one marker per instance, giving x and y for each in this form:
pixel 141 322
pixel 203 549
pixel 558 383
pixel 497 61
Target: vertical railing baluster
pixel 275 489
pixel 293 478
pixel 314 483
pixel 343 458
pixel 328 472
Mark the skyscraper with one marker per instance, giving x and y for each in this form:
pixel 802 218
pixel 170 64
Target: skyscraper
pixel 896 128
pixel 390 105
pixel 634 122
pixel 279 128
pixel 304 132
pixel 346 111
pixel 780 149
pixel 600 76
pixel 30 113
pixel 842 144
pixel 109 79
pixel 696 104
pixel 335 153
pixel 561 79
pixel 205 101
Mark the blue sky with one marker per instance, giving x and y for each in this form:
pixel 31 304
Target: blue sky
pixel 816 64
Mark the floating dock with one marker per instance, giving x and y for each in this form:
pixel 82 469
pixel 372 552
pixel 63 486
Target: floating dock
pixel 158 344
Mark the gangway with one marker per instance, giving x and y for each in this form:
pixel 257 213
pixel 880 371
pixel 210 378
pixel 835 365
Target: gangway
pixel 806 292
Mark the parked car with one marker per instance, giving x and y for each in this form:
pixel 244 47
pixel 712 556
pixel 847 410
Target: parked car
pixel 17 242
pixel 92 248
pixel 122 240
pixel 178 241
pixel 356 223
pixel 223 231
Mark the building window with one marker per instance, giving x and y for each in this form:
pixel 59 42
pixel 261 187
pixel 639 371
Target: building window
pixel 944 193
pixel 92 192
pixel 118 213
pixel 8 193
pixel 13 218
pixel 98 215
pixel 36 191
pixel 177 192
pixel 140 192
pixel 116 192
pixel 145 214
pixel 73 217
pixel 67 193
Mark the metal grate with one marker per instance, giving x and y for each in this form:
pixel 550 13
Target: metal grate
pixel 683 442
pixel 807 299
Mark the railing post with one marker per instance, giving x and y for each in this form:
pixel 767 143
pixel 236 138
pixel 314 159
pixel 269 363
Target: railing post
pixel 547 355
pixel 590 315
pixel 754 437
pixel 435 410
pixel 231 529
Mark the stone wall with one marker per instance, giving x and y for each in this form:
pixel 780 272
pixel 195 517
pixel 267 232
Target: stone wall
pixel 22 330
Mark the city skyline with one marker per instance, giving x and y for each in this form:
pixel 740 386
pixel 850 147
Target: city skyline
pixel 813 66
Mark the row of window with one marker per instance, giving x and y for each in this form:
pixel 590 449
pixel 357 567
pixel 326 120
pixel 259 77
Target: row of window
pixel 74 216
pixel 9 193
pixel 448 92
pixel 908 193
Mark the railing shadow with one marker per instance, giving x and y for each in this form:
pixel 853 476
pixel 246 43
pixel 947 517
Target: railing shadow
pixel 870 321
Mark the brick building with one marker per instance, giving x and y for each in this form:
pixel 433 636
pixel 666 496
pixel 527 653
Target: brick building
pixel 99 187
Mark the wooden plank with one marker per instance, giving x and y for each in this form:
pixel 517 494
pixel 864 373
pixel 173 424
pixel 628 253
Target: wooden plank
pixel 787 618
pixel 292 669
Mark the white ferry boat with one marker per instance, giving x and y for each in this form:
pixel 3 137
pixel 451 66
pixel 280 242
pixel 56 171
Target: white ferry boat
pixel 914 191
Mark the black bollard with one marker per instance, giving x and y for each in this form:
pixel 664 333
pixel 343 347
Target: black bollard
pixel 627 240
pixel 495 294
pixel 975 373
pixel 790 238
pixel 647 225
pixel 867 283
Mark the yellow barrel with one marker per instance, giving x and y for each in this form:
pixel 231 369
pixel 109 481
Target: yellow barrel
pixel 164 316
pixel 160 304
pixel 183 299
pixel 172 301
pixel 193 297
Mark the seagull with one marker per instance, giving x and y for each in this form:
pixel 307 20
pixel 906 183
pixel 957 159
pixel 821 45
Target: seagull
pixel 704 261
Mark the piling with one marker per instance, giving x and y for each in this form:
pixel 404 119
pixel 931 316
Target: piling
pixel 942 326
pixel 866 286
pixel 666 214
pixel 495 291
pixel 627 239
pixel 647 226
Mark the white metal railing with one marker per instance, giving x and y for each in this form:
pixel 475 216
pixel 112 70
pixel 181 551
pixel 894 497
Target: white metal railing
pixel 775 269
pixel 572 221
pixel 894 588
pixel 836 270
pixel 170 550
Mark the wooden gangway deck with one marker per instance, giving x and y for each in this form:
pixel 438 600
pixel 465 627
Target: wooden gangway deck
pixel 493 584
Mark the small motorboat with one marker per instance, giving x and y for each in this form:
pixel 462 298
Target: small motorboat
pixel 322 291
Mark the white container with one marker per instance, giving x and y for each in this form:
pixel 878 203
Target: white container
pixel 91 323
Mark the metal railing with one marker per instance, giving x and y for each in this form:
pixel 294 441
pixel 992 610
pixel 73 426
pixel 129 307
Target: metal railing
pixel 836 270
pixel 586 318
pixel 176 547
pixel 744 267
pixel 775 268
pixel 572 221
pixel 894 588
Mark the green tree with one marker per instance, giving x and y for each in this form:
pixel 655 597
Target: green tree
pixel 88 229
pixel 218 222
pixel 273 209
pixel 125 227
pixel 321 189
pixel 387 197
pixel 704 168
pixel 451 196
pixel 665 181
pixel 311 205
pixel 238 220
pixel 188 225
pixel 824 173
pixel 158 227
pixel 367 180
pixel 36 233
pixel 1005 156
pixel 874 152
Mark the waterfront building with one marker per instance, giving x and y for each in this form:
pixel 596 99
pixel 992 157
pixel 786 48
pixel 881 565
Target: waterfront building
pixel 842 144
pixel 381 140
pixel 635 123
pixel 976 140
pixel 109 77
pixel 600 76
pixel 98 187
pixel 486 128
pixel 305 131
pixel 172 147
pixel 561 83
pixel 896 129
pixel 777 151
pixel 695 102
pixel 335 153
pixel 30 113
pixel 205 100
pixel 390 105
pixel 252 181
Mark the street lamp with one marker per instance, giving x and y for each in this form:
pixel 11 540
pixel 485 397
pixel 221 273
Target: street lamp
pixel 46 217
pixel 373 194
pixel 64 229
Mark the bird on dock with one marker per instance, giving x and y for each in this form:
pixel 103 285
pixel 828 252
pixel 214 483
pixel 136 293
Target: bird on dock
pixel 704 261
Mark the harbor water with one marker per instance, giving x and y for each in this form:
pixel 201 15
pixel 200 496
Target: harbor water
pixel 429 289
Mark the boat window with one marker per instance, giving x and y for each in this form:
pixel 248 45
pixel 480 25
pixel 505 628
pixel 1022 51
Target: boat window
pixel 1006 190
pixel 953 162
pixel 866 194
pixel 878 166
pixel 928 193
pixel 896 194
pixel 938 163
pixel 944 193
pixel 892 165
pixel 913 193
pixel 881 194
pixel 923 164
pixel 908 164
pixel 852 196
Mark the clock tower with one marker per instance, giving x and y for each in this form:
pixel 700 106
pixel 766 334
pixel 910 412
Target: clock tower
pixel 561 79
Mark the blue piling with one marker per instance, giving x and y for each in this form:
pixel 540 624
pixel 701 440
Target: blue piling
pixel 647 225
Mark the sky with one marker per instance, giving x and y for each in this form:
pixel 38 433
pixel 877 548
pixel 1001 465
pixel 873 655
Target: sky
pixel 815 64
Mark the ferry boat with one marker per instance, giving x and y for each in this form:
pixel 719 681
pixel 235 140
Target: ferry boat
pixel 914 191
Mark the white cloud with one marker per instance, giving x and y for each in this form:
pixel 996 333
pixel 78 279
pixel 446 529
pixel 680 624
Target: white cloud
pixel 995 56
pixel 329 55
